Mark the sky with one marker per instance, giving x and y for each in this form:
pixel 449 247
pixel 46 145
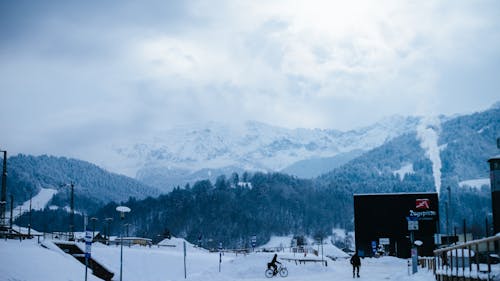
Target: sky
pixel 76 76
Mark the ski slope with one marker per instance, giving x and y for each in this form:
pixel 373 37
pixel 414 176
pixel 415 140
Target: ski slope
pixel 29 261
pixel 38 202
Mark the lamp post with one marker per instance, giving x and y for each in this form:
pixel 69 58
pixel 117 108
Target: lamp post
pixel 122 210
pixel 11 210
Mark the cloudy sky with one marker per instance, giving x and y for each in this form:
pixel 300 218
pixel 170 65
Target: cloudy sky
pixel 79 75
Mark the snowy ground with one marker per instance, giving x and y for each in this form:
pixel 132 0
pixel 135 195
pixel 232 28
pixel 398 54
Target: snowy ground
pixel 28 261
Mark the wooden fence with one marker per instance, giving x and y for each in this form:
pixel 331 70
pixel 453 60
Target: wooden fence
pixel 471 261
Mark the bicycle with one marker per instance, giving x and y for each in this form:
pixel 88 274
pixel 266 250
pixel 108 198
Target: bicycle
pixel 283 272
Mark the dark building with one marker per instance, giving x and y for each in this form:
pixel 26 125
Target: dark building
pixel 382 221
pixel 495 191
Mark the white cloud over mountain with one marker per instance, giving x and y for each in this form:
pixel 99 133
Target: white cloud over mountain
pixel 77 77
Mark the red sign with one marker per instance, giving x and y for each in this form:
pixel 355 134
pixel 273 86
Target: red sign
pixel 422 204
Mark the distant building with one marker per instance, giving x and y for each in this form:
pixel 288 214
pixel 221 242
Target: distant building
pixel 129 241
pixel 495 191
pixel 382 227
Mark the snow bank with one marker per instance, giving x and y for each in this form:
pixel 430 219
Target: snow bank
pixel 178 244
pixel 333 251
pixel 29 261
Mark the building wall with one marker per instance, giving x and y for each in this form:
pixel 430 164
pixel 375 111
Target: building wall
pixel 385 216
pixel 495 191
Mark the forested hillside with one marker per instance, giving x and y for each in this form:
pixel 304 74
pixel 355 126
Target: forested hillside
pixel 274 204
pixel 93 186
pixel 373 172
pixel 468 142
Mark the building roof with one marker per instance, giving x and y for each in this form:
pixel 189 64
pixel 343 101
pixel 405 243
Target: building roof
pixel 497 157
pixel 132 239
pixel 24 230
pixel 393 193
pixel 81 234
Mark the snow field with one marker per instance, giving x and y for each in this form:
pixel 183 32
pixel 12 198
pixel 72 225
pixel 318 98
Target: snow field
pixel 28 261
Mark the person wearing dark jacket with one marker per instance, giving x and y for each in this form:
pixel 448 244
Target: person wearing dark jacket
pixel 356 263
pixel 273 264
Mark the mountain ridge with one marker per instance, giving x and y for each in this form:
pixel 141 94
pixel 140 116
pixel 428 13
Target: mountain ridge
pixel 183 153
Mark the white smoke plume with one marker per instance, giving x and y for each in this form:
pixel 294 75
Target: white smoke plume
pixel 428 134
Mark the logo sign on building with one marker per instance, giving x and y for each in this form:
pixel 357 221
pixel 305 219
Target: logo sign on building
pixel 423 210
pixel 422 204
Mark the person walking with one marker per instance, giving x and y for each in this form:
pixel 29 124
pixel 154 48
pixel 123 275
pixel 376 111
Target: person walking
pixel 356 263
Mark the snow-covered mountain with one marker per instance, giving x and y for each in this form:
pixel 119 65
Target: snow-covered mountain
pixel 200 151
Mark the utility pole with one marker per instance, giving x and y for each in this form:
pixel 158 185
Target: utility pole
pixel 465 232
pixel 72 211
pixel 72 214
pixel 108 222
pixel 29 217
pixel 11 210
pixel 3 198
pixel 93 219
pixel 448 206
pixel 486 226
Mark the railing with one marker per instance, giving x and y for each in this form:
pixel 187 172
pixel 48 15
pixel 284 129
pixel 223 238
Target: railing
pixel 427 262
pixel 474 260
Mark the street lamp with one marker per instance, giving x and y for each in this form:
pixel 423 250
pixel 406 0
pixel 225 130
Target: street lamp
pixel 122 210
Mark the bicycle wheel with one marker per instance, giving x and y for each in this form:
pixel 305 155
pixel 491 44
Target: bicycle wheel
pixel 283 272
pixel 269 273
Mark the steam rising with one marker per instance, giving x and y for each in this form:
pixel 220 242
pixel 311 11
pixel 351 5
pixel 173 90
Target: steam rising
pixel 427 133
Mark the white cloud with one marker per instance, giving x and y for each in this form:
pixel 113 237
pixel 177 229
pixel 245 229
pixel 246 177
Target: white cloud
pixel 136 69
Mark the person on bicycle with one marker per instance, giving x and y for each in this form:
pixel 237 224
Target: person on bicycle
pixel 273 264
